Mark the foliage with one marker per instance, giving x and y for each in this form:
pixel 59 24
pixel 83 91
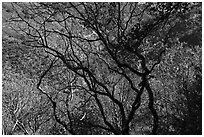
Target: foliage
pixel 104 68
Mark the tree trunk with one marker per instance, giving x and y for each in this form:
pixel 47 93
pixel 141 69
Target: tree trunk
pixel 152 109
pixel 126 131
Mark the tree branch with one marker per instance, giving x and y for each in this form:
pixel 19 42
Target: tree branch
pixel 152 109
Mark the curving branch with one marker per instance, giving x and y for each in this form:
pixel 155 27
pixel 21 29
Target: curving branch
pixel 152 109
pixel 51 100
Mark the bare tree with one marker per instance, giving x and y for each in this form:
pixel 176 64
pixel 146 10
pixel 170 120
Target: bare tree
pixel 100 52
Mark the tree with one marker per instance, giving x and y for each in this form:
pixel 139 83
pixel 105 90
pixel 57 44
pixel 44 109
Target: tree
pixel 23 111
pixel 97 56
pixel 181 97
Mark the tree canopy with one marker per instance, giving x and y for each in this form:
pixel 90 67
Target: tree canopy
pixel 102 68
